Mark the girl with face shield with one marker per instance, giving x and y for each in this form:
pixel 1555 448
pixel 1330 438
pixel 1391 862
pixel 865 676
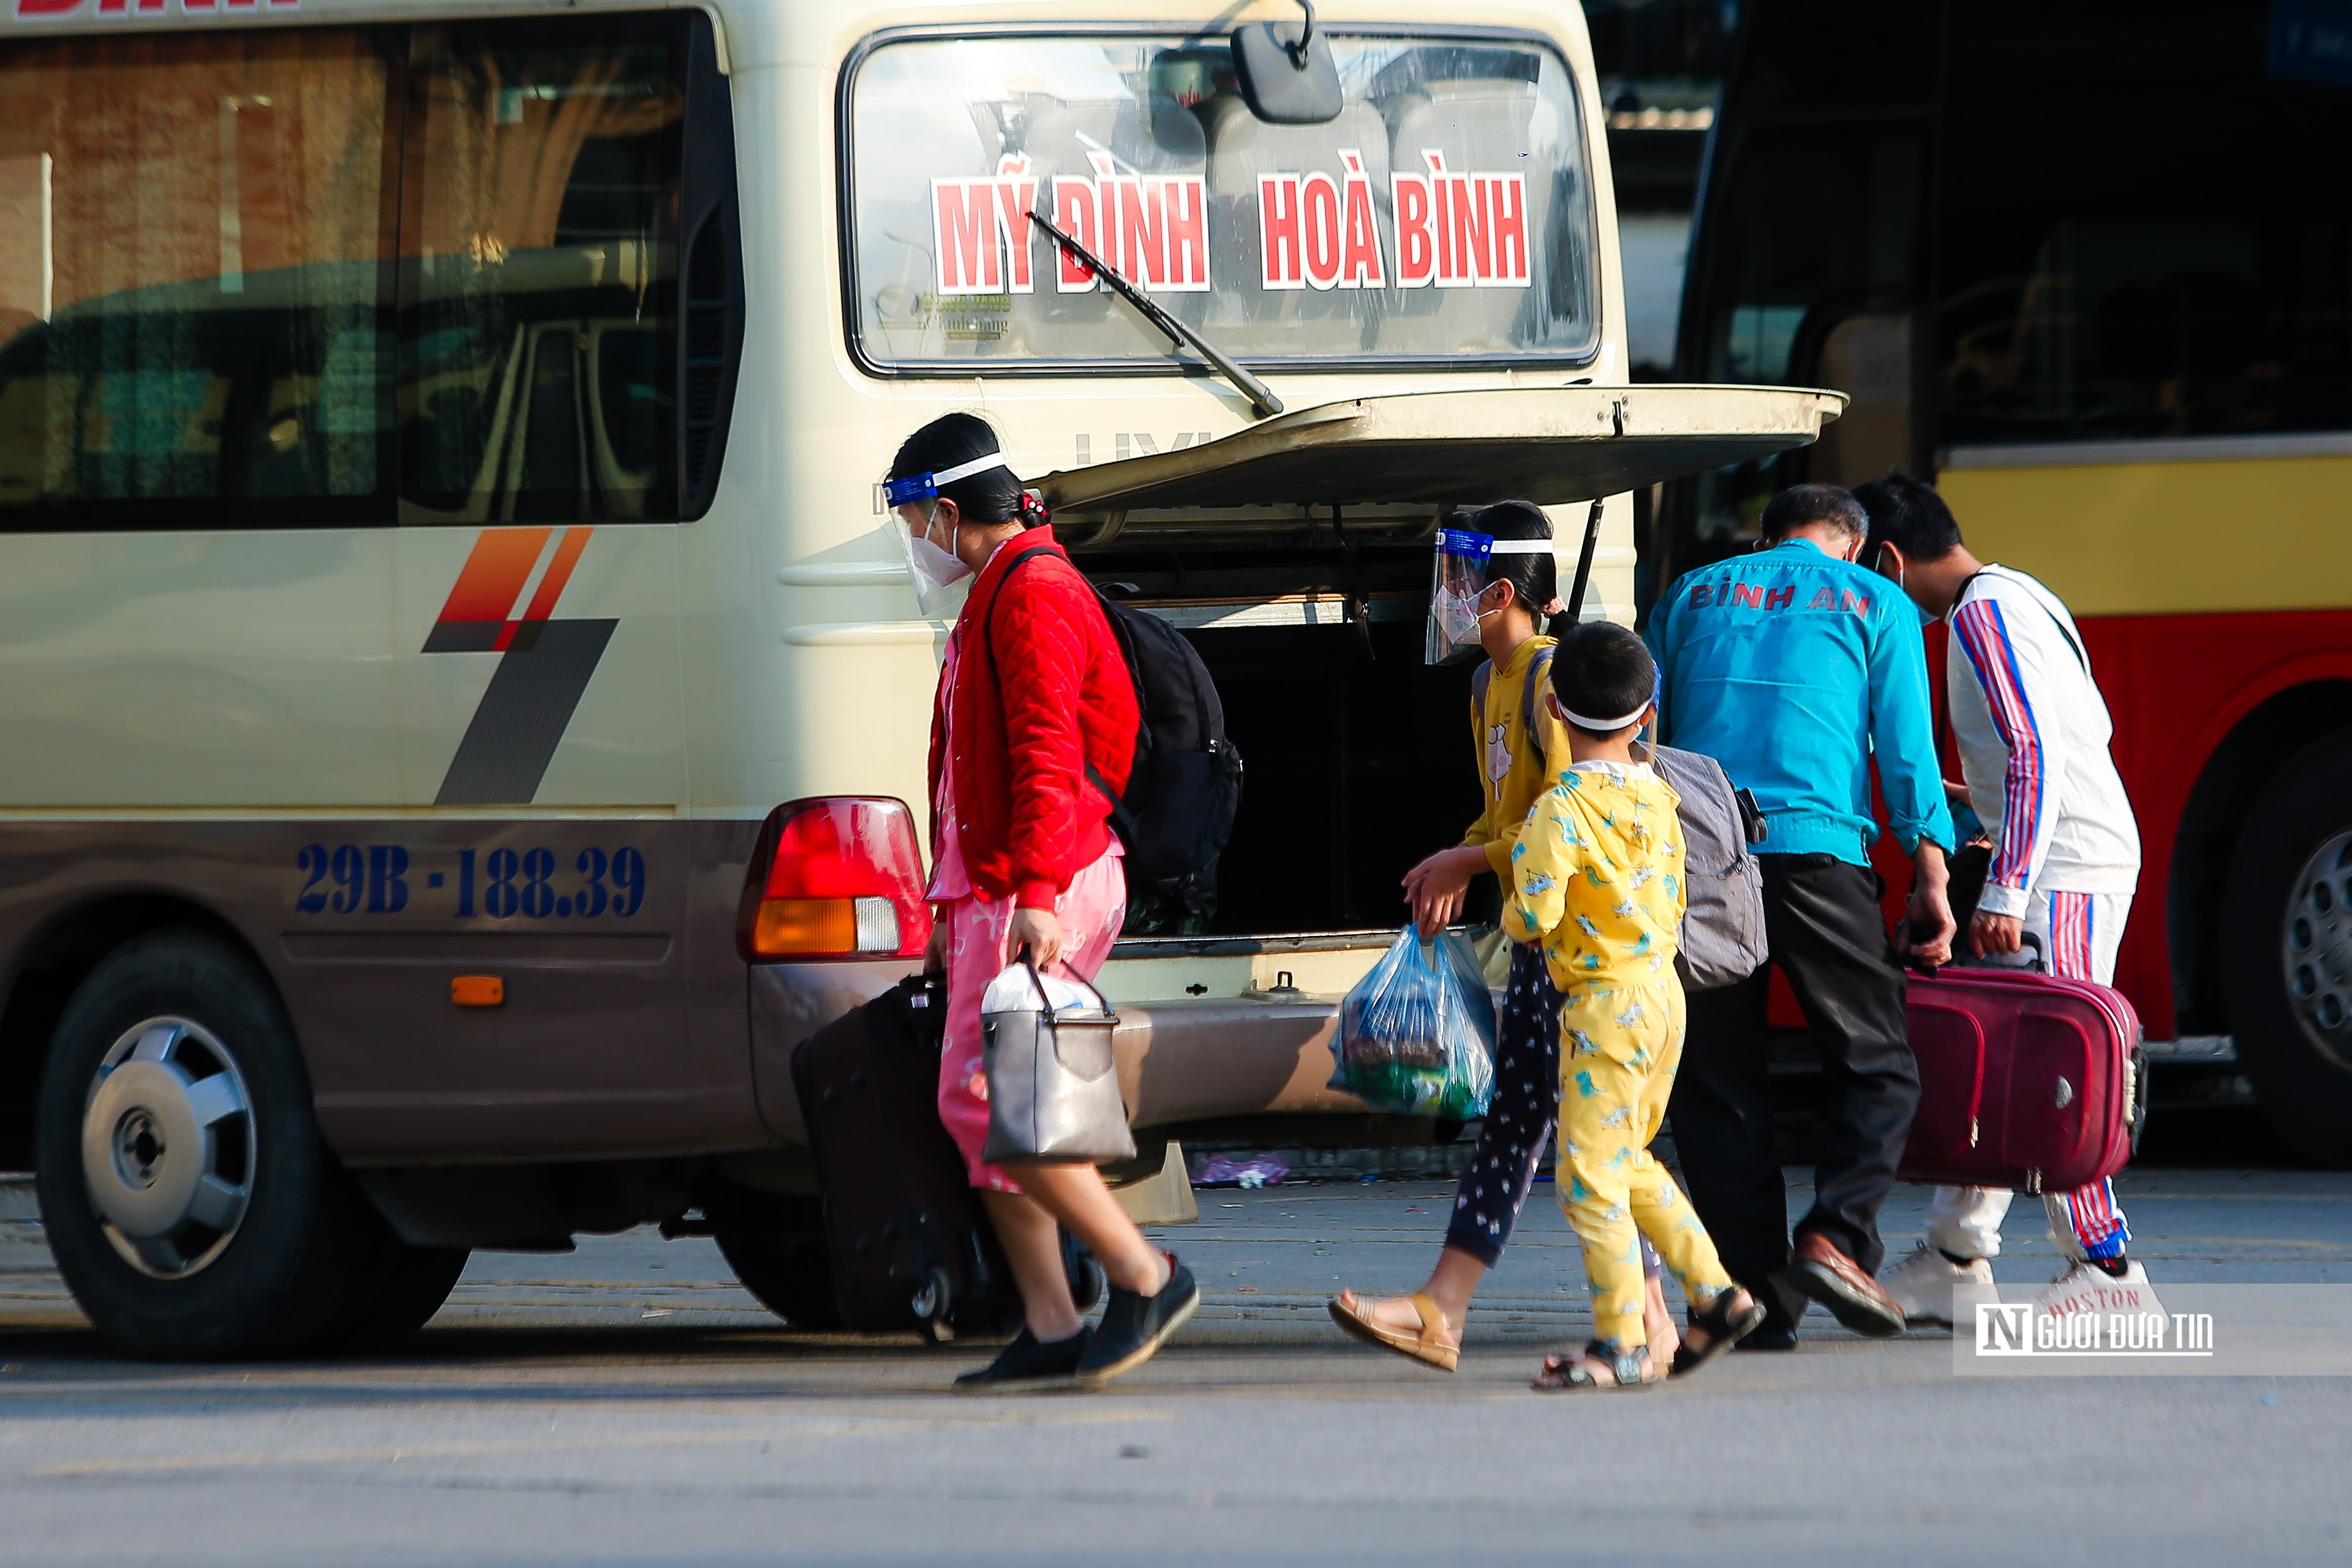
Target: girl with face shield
pixel 1492 588
pixel 1034 697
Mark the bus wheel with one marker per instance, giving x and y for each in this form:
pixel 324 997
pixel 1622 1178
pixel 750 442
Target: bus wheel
pixel 189 1202
pixel 776 1245
pixel 2288 964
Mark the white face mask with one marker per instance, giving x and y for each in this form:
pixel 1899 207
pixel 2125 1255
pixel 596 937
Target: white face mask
pixel 1458 618
pixel 936 568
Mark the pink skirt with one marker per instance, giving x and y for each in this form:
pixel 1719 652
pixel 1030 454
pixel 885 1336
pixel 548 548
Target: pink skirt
pixel 1091 909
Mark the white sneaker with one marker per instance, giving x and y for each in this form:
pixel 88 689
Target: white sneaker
pixel 2087 1287
pixel 1922 1284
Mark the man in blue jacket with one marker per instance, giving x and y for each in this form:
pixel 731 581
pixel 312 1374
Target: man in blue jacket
pixel 1796 668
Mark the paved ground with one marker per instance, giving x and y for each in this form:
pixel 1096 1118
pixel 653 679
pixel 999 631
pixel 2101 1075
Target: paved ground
pixel 627 1403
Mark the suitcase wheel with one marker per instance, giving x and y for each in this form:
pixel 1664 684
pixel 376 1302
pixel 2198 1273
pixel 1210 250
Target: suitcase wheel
pixel 931 1299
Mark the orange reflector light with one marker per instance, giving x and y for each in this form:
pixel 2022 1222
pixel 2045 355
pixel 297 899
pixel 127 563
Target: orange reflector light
pixel 478 991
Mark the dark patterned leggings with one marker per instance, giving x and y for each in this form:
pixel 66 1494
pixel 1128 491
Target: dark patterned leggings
pixel 1519 1118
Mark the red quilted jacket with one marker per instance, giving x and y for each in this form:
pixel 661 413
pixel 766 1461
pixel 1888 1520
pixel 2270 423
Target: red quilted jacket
pixel 1045 695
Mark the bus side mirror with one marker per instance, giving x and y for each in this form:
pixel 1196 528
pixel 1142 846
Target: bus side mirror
pixel 1287 74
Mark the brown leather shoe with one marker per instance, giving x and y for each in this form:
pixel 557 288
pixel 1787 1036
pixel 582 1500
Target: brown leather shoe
pixel 1839 1283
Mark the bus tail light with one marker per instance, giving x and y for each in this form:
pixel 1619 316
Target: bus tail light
pixel 840 876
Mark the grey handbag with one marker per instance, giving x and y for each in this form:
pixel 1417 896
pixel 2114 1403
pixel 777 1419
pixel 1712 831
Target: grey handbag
pixel 1053 1083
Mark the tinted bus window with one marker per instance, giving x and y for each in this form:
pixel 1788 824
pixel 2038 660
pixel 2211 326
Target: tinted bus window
pixel 192 308
pixel 1813 260
pixel 236 292
pixel 1446 213
pixel 536 374
pixel 2143 235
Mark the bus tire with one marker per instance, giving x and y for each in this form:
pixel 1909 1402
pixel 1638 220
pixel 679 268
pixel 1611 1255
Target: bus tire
pixel 776 1245
pixel 2287 959
pixel 189 1201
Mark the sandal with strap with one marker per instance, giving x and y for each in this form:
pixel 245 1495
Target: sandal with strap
pixel 1627 1370
pixel 1353 1313
pixel 1724 1323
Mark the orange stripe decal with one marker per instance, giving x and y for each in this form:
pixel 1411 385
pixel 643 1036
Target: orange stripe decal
pixel 495 572
pixel 559 572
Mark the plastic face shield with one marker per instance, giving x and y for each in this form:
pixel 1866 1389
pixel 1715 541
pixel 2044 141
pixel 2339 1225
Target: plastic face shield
pixel 1466 566
pixel 939 576
pixel 1458 575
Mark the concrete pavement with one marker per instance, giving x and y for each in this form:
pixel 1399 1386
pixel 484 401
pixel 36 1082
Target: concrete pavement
pixel 627 1403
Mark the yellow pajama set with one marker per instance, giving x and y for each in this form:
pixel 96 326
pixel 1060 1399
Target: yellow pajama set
pixel 1597 876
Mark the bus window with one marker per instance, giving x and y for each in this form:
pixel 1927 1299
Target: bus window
pixel 2107 271
pixel 542 218
pixel 1808 273
pixel 192 310
pixel 1446 214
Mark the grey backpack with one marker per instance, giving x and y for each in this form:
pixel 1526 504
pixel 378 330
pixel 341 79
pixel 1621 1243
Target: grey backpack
pixel 1722 939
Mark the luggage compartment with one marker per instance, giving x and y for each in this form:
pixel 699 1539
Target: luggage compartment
pixel 1357 755
pixel 1357 763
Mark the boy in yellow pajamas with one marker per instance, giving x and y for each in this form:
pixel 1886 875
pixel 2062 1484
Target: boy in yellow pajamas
pixel 1596 877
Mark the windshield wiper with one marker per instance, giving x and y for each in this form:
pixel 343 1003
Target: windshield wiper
pixel 1262 400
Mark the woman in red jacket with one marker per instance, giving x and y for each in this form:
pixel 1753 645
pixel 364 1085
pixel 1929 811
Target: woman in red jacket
pixel 1034 693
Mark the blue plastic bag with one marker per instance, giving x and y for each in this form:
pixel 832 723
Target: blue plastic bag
pixel 1416 1037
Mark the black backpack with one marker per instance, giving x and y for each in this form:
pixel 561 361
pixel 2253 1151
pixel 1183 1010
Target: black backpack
pixel 1185 782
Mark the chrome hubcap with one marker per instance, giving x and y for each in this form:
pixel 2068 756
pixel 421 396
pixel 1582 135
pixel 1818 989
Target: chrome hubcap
pixel 167 1146
pixel 2317 946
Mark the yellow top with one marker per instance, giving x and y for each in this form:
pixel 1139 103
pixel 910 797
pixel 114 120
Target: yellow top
pixel 1511 773
pixel 1597 873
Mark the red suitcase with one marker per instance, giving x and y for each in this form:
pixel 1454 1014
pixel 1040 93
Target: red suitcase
pixel 2026 1081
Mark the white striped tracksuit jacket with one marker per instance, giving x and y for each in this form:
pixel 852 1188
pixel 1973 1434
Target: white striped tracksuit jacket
pixel 2033 732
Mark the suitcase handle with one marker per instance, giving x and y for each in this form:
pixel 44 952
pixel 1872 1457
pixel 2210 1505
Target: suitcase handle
pixel 2040 965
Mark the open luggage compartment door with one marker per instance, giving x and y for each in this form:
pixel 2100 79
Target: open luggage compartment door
pixel 1547 444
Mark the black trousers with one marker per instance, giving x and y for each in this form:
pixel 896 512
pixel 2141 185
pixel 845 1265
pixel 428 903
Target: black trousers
pixel 1823 920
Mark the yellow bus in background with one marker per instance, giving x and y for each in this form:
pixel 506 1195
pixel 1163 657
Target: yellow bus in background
pixel 2091 267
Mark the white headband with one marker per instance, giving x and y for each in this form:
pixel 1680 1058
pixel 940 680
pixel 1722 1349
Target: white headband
pixel 965 470
pixel 1580 719
pixel 923 487
pixel 1520 547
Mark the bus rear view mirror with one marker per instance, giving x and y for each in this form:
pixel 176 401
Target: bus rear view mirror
pixel 1287 74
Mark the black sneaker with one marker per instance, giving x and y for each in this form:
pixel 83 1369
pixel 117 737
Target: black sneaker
pixel 1027 1367
pixel 1133 1327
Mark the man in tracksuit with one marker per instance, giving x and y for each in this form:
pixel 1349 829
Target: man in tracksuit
pixel 1796 668
pixel 2032 732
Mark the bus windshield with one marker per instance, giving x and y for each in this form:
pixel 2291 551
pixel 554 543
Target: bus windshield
pixel 1445 213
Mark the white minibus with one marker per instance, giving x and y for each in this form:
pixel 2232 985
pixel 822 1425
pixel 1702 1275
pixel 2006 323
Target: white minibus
pixel 458 690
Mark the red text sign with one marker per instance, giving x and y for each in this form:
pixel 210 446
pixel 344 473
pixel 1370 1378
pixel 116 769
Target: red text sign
pixel 1460 230
pixel 1317 232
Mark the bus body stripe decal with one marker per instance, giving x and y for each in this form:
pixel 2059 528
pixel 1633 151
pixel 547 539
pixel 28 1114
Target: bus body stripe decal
pixel 494 574
pixel 559 572
pixel 523 715
pixel 544 664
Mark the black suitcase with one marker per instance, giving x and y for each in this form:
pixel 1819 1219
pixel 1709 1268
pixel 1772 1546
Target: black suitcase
pixel 910 1245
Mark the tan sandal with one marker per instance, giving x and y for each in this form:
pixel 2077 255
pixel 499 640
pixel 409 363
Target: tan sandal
pixel 1350 1312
